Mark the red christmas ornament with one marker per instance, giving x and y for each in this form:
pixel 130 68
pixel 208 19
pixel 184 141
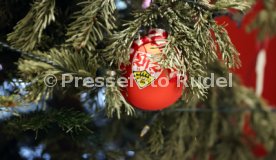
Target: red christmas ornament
pixel 150 87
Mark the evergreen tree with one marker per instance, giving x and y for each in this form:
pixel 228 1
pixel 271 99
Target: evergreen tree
pixel 93 38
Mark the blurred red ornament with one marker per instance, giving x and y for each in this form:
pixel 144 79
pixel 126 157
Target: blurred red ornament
pixel 150 87
pixel 254 52
pixel 257 69
pixel 270 74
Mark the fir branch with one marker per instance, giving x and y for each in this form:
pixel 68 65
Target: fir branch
pixel 214 5
pixel 194 50
pixel 234 4
pixel 92 23
pixel 183 136
pixel 230 55
pixel 28 32
pixel 265 21
pixel 115 102
pixel 62 62
pixel 156 139
pixel 69 121
pixel 117 51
